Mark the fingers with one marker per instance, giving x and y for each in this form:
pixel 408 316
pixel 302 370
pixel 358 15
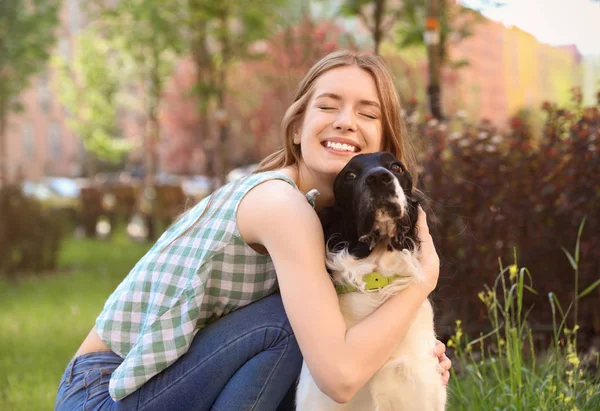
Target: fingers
pixel 445 377
pixel 428 257
pixel 446 363
pixel 439 349
pixel 444 368
pixel 422 227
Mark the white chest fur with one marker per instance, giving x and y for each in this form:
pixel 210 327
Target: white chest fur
pixel 409 380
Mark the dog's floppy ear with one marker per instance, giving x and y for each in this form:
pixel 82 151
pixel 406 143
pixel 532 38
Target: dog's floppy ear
pixel 331 218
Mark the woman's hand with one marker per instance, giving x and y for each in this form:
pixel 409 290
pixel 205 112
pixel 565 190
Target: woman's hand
pixel 430 262
pixel 445 363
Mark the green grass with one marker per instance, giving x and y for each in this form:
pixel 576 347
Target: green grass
pixel 44 318
pixel 502 371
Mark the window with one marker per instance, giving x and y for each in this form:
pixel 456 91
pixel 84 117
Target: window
pixel 44 92
pixel 54 142
pixel 28 141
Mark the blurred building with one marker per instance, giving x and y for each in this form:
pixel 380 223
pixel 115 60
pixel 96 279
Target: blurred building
pixel 509 70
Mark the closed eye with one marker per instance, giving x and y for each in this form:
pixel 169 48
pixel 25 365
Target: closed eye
pixel 326 108
pixel 371 116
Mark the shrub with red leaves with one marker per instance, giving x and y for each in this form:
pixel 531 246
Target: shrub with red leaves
pixel 492 192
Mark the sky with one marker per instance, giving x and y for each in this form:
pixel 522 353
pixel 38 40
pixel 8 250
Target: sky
pixel 555 22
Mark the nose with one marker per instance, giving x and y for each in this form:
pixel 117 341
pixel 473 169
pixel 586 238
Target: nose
pixel 345 121
pixel 379 177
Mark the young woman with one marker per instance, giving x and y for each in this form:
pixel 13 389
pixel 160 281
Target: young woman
pixel 220 312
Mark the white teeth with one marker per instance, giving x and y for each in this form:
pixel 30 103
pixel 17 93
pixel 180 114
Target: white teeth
pixel 340 146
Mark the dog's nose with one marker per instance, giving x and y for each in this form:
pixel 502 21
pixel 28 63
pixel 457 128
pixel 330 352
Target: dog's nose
pixel 379 177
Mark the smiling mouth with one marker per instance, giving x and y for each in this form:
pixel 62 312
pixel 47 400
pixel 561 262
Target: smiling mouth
pixel 342 147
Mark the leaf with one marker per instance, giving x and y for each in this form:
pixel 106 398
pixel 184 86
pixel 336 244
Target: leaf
pixel 554 301
pixel 589 289
pixel 579 239
pixel 570 257
pixel 459 63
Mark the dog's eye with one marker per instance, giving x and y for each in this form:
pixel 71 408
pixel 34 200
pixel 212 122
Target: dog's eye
pixel 350 176
pixel 395 168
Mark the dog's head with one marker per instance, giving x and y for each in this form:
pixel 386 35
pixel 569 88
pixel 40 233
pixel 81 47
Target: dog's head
pixel 375 204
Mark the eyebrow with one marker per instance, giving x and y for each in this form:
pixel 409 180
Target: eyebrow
pixel 338 97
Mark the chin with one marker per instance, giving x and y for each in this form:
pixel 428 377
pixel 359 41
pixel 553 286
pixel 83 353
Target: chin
pixel 372 254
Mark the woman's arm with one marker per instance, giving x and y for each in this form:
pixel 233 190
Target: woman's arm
pixel 340 359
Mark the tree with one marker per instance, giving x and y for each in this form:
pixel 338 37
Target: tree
pixel 412 22
pixel 217 34
pixel 27 34
pixel 89 88
pixel 378 16
pixel 432 23
pixel 144 34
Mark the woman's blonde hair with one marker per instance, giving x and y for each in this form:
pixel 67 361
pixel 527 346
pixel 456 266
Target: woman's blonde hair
pixel 395 133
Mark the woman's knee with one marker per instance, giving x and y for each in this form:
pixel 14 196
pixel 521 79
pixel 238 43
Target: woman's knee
pixel 272 314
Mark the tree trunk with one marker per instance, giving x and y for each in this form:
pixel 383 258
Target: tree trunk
pixel 3 149
pixel 205 83
pixel 153 135
pixel 434 56
pixel 377 25
pixel 222 84
pixel 3 182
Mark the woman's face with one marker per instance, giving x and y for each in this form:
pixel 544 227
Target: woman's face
pixel 342 119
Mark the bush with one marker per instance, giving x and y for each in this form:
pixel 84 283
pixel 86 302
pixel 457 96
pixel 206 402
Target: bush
pixel 30 235
pixel 493 191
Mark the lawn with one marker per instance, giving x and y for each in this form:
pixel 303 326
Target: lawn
pixel 44 318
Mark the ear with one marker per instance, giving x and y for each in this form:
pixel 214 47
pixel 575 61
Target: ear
pixel 296 135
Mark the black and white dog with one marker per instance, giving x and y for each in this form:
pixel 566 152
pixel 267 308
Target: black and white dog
pixel 372 253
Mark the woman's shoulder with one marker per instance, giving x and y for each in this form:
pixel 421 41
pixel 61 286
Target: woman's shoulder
pixel 275 206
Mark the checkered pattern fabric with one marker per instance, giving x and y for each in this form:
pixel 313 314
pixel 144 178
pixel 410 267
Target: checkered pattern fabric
pixel 193 275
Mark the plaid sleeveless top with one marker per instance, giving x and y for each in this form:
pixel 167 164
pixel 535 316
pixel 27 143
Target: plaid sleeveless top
pixel 188 279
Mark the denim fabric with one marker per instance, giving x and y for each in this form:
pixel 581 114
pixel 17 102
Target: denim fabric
pixel 247 360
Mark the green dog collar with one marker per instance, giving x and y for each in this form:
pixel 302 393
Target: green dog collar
pixel 373 281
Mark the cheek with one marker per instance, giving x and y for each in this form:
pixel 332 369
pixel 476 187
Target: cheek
pixel 373 134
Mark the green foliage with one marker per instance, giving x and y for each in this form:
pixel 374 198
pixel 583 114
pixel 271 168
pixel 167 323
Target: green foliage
pixel 218 33
pixel 145 36
pixel 89 88
pixel 456 23
pixel 146 32
pixel 378 16
pixel 27 34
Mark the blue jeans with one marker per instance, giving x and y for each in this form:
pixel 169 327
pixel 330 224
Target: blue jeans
pixel 247 360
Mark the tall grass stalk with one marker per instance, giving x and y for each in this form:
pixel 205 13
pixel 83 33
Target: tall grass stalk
pixel 501 369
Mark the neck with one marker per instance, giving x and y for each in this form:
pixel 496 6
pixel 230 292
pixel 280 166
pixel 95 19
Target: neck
pixel 307 180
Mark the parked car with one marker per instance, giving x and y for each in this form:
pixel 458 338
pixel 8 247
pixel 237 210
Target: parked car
pixel 241 172
pixel 59 194
pixel 197 187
